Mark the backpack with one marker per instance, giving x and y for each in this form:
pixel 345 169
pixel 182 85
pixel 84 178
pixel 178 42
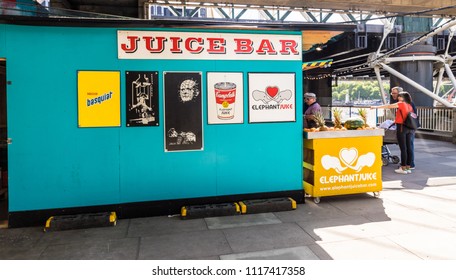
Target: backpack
pixel 411 120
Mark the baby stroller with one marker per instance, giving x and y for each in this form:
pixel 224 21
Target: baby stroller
pixel 389 138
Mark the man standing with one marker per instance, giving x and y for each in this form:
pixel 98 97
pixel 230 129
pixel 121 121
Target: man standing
pixel 313 107
pixel 394 93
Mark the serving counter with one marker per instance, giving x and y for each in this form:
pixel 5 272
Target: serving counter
pixel 342 162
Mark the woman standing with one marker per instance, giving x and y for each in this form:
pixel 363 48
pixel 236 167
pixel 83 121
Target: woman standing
pixel 404 134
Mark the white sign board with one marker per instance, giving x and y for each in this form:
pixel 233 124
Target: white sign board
pixel 207 46
pixel 272 97
pixel 225 98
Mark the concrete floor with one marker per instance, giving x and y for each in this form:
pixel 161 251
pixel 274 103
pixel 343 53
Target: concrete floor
pixel 414 218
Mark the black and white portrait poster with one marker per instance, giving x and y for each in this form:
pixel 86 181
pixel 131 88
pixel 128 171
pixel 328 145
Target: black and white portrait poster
pixel 183 111
pixel 142 98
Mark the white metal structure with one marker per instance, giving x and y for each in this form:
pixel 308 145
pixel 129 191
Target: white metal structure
pixel 378 60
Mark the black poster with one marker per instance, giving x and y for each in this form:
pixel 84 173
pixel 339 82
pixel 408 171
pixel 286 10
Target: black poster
pixel 183 111
pixel 142 98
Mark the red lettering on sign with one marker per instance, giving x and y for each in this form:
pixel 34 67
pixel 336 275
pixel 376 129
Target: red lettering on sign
pixel 243 46
pixel 176 44
pixel 189 42
pixel 266 46
pixel 133 40
pixel 286 106
pixel 289 46
pixel 260 47
pixel 216 45
pixel 160 44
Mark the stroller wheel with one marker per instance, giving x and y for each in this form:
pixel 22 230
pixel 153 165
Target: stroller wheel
pixel 385 161
pixel 395 159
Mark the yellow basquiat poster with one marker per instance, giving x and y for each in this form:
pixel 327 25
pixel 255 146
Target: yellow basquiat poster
pixel 98 98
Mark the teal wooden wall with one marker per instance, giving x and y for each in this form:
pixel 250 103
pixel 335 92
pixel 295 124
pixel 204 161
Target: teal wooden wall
pixel 55 164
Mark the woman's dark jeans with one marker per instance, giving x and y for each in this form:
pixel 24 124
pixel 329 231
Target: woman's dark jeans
pixel 405 137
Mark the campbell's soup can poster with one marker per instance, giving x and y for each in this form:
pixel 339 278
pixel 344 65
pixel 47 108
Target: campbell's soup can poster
pixel 225 97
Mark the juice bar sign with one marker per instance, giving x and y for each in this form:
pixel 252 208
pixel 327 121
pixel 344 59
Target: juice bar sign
pixel 211 46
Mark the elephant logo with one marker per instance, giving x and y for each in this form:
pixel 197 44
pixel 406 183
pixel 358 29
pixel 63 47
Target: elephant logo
pixel 348 158
pixel 272 93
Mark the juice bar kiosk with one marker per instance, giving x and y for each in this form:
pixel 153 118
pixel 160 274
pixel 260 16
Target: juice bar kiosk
pixel 342 162
pixel 144 120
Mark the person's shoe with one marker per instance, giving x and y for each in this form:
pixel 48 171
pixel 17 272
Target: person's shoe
pixel 413 167
pixel 408 170
pixel 401 171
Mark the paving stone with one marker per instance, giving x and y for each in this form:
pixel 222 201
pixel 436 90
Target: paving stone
pixel 267 237
pixel 310 211
pixel 438 181
pixel 80 235
pixel 356 205
pixel 352 227
pixel 378 248
pixel 242 221
pixel 294 253
pixel 163 225
pixel 429 245
pixel 113 249
pixel 189 245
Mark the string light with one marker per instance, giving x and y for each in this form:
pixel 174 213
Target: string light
pixel 317 77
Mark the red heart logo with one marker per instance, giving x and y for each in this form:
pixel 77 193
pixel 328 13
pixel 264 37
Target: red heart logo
pixel 272 91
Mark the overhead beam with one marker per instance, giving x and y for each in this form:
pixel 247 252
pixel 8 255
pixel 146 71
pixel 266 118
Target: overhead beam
pixel 241 13
pixel 284 16
pixel 429 8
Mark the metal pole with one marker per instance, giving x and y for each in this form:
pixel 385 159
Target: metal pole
pixel 450 74
pixel 454 125
pixel 380 83
pixel 439 81
pixel 415 58
pixel 387 27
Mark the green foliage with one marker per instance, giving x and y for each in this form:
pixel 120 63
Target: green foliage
pixel 358 90
pixel 445 88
